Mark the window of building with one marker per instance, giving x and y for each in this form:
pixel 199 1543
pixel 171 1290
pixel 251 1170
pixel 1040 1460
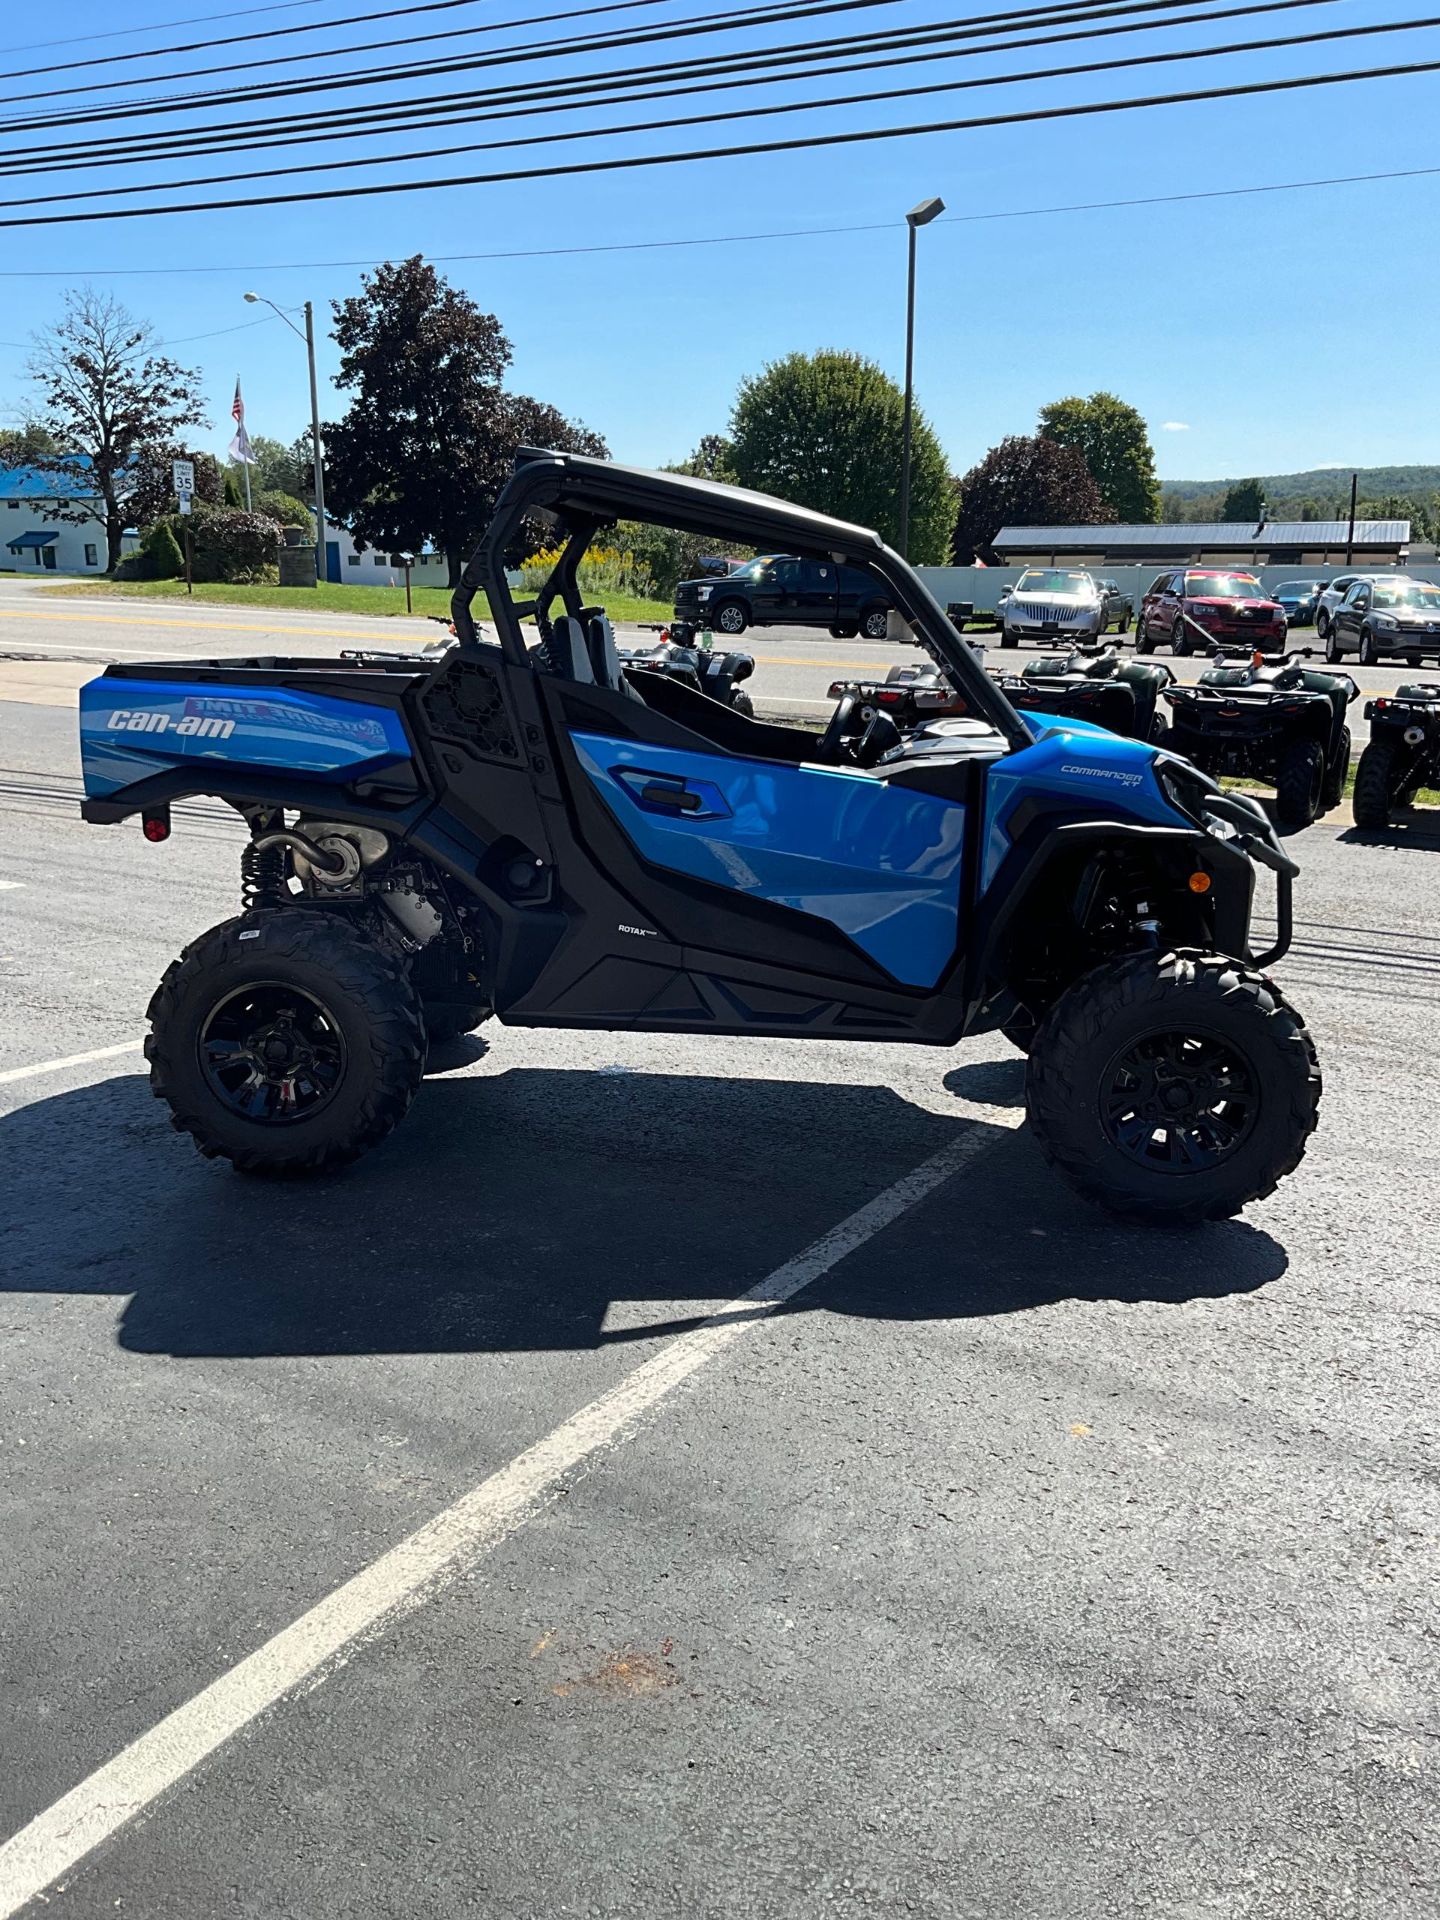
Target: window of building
pixel 352 559
pixel 92 554
pixel 14 505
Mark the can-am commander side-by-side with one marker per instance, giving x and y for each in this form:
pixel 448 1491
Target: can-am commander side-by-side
pixel 527 831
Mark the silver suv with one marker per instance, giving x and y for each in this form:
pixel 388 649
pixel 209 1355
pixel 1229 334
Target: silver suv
pixel 1053 603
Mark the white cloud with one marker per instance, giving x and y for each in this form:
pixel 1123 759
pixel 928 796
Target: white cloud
pixel 1175 426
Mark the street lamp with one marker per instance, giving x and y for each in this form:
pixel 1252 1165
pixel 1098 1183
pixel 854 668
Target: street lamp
pixel 308 336
pixel 920 216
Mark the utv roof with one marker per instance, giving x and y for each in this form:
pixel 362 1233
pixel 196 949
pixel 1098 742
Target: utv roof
pixel 584 485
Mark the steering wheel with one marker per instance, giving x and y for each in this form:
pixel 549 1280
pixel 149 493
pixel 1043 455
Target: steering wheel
pixel 834 734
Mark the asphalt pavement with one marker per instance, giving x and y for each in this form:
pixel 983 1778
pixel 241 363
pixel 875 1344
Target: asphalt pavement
pixel 1020 1566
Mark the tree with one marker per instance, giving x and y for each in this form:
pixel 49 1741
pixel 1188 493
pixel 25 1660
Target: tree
pixel 277 468
pixel 28 445
pixel 163 558
pixel 285 509
pixel 1032 482
pixel 1244 500
pixel 824 430
pixel 713 459
pixel 233 494
pixel 1112 440
pixel 430 435
pixel 108 398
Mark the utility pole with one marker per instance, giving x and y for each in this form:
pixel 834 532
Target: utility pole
pixel 308 336
pixel 1350 539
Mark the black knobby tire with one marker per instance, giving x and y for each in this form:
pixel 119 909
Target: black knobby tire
pixel 1300 782
pixel 1251 1120
pixel 1336 771
pixel 1378 780
pixel 348 990
pixel 730 617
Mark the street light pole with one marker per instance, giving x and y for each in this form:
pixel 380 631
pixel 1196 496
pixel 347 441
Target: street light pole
pixel 917 217
pixel 308 336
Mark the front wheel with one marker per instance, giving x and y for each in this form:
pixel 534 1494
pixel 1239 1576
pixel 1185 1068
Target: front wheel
pixel 1009 639
pixel 1300 782
pixel 286 1042
pixel 1173 1088
pixel 730 618
pixel 1369 653
pixel 742 703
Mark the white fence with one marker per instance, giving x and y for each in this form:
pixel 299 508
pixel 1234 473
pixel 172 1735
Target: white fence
pixel 981 585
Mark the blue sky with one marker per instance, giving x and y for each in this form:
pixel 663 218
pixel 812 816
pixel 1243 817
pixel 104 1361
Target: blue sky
pixel 1281 331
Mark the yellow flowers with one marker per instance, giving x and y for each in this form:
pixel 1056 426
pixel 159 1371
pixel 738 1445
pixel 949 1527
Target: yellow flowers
pixel 603 570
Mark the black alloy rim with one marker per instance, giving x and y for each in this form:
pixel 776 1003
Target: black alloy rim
pixel 272 1053
pixel 1179 1102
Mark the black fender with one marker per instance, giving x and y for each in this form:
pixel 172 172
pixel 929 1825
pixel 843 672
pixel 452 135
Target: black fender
pixel 1052 848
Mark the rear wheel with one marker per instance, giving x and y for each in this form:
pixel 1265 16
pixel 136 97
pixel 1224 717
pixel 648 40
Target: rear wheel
pixel 286 1042
pixel 875 623
pixel 1378 782
pixel 742 703
pixel 1143 641
pixel 1322 624
pixel 842 633
pixel 1173 1088
pixel 1300 782
pixel 1332 646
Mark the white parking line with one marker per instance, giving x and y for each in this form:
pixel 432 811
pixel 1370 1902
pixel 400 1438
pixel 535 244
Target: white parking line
pixel 124 1787
pixel 11 886
pixel 11 1074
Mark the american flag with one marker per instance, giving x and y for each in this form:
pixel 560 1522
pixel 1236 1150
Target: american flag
pixel 239 448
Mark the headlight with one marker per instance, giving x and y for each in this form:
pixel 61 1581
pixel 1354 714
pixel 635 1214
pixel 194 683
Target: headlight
pixel 1386 620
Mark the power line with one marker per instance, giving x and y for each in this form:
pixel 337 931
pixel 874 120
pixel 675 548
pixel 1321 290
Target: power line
pixel 750 111
pixel 799 7
pixel 164 26
pixel 630 162
pixel 713 69
pixel 724 239
pixel 969 26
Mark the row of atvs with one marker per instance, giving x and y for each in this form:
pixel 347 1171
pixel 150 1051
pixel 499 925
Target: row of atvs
pixel 1262 717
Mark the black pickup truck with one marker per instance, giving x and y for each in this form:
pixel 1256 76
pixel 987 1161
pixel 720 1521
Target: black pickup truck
pixel 778 590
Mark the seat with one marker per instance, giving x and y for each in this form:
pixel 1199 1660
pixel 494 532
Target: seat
pixel 566 651
pixel 604 657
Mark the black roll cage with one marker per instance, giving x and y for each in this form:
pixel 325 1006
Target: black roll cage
pixel 586 494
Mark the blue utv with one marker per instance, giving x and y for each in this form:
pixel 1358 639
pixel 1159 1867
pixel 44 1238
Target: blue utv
pixel 520 828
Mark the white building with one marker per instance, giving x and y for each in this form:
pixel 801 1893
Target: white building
pixel 346 565
pixel 32 542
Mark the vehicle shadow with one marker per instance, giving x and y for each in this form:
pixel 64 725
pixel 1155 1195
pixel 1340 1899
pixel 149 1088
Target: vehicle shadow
pixel 542 1208
pixel 1410 830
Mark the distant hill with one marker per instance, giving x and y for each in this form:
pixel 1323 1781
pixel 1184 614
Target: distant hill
pixel 1320 484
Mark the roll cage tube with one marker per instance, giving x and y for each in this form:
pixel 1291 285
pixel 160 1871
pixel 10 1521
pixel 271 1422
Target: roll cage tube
pixel 587 492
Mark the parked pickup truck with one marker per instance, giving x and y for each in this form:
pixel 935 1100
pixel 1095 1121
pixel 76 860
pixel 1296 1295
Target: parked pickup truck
pixel 778 590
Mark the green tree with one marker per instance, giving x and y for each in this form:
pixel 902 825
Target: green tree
pixel 163 558
pixel 284 508
pixel 277 468
pixel 108 398
pixel 430 435
pixel 28 445
pixel 1112 440
pixel 1244 500
pixel 824 430
pixel 234 493
pixel 151 481
pixel 1024 482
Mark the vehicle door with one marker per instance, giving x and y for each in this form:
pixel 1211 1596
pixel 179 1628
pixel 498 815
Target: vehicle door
pixel 782 590
pixel 751 874
pixel 1164 599
pixel 1350 613
pixel 819 594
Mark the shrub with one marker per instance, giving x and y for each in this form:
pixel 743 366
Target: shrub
pixel 241 548
pixel 160 551
pixel 604 570
pixel 285 509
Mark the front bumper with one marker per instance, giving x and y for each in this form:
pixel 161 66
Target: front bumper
pixel 1073 631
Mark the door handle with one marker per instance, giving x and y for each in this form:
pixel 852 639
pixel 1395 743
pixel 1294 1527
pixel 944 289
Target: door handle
pixel 658 794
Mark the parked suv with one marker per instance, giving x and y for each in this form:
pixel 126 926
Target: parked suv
pixel 779 590
pixel 1389 615
pixel 1196 604
pixel 1331 596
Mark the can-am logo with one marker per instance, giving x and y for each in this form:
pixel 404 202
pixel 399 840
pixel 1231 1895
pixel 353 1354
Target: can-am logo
pixel 1104 773
pixel 192 726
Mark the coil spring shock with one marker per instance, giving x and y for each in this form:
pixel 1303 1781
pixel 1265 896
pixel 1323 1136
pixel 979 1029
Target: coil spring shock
pixel 262 878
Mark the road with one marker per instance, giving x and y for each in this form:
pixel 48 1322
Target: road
pixel 49 644
pixel 1022 1565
